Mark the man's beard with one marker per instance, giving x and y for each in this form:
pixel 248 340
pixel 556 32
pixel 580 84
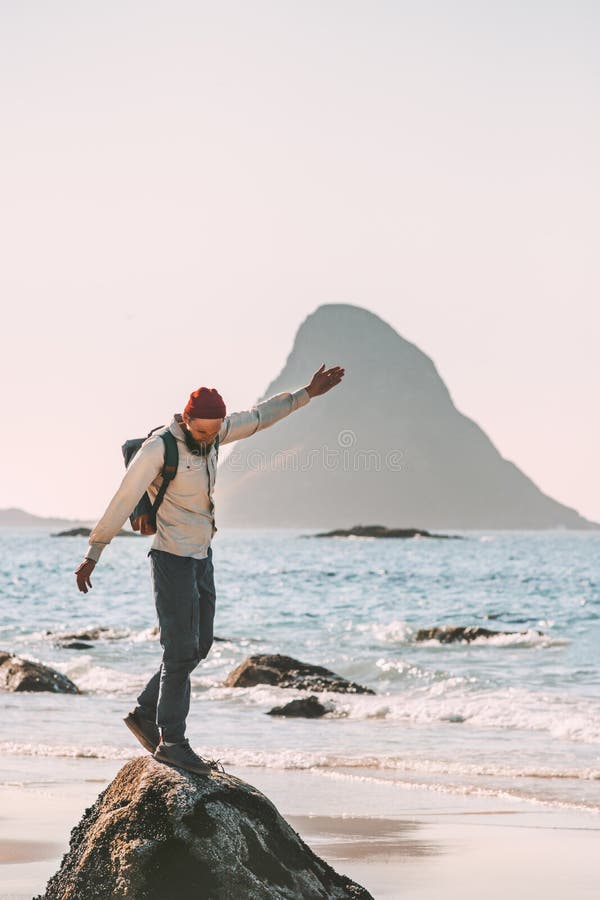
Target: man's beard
pixel 199 448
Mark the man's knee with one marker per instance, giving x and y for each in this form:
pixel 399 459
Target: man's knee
pixel 180 664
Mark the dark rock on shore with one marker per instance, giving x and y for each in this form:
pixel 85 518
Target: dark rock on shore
pixel 85 532
pixel 380 531
pixel 86 634
pixel 159 833
pixel 448 634
pixel 101 633
pixel 286 672
pixel 307 708
pixel 19 674
pixel 74 645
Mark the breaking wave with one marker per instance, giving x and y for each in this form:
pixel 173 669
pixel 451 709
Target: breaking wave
pixel 400 632
pixel 393 772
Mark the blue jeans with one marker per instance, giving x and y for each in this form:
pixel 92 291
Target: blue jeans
pixel 184 595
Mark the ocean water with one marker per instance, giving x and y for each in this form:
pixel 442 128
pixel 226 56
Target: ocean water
pixel 510 716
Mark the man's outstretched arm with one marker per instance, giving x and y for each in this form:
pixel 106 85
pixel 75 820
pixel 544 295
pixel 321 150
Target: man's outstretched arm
pixel 244 424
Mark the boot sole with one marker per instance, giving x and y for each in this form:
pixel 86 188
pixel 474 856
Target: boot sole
pixel 144 741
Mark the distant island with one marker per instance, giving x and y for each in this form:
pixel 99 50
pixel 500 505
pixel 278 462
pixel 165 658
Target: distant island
pixel 13 517
pixel 380 531
pixel 18 518
pixel 85 532
pixel 388 445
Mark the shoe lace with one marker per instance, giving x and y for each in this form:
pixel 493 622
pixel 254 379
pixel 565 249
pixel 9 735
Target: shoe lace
pixel 213 763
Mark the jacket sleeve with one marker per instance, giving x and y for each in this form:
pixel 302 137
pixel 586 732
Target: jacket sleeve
pixel 243 424
pixel 141 472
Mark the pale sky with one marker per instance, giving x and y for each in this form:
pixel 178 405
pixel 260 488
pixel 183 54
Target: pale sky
pixel 182 183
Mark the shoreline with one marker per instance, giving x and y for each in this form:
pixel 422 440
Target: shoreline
pixel 412 843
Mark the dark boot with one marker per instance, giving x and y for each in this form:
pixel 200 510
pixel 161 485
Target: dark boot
pixel 182 756
pixel 145 730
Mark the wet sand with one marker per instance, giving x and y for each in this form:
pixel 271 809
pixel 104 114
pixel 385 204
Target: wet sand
pixel 455 858
pixel 422 845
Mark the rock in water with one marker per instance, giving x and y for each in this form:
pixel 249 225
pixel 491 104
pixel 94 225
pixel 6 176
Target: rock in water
pixel 73 532
pixel 307 708
pixel 18 674
pixel 380 531
pixel 74 645
pixel 286 672
pixel 449 634
pixel 89 634
pixel 85 532
pixel 158 833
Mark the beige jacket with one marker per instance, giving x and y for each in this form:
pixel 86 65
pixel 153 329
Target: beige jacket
pixel 184 524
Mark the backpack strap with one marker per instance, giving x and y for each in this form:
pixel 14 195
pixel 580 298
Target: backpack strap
pixel 210 484
pixel 169 469
pixel 210 487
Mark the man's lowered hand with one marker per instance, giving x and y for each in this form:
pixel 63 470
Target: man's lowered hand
pixel 83 573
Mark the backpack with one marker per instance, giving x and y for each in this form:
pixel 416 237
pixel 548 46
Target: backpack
pixel 145 511
pixel 145 508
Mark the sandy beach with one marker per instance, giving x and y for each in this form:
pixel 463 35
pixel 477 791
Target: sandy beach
pixel 398 843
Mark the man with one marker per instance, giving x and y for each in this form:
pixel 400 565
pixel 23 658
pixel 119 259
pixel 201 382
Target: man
pixel 181 553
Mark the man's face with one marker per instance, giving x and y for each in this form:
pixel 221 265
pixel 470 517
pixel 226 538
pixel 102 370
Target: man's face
pixel 201 431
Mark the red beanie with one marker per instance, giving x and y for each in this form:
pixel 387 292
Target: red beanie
pixel 205 403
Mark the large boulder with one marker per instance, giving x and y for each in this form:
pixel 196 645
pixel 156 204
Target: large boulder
pixel 158 833
pixel 449 634
pixel 19 674
pixel 286 672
